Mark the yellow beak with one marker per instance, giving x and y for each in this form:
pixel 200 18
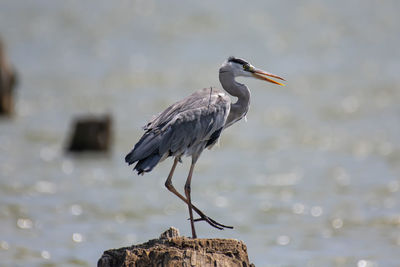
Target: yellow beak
pixel 263 75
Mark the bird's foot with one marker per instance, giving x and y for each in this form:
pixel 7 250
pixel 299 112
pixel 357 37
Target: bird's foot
pixel 212 222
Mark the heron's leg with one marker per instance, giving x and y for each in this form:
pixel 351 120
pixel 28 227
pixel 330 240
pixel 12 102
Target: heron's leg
pixel 168 182
pixel 187 193
pixel 203 217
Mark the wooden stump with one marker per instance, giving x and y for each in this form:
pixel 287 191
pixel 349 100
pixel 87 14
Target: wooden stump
pixel 91 134
pixel 172 250
pixel 7 84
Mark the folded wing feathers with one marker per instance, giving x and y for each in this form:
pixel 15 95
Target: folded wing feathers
pixel 197 118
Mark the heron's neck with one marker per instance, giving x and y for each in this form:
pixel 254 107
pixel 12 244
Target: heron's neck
pixel 240 108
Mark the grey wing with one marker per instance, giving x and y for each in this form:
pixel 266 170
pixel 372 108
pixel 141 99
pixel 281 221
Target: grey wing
pixel 186 127
pixel 195 128
pixel 193 101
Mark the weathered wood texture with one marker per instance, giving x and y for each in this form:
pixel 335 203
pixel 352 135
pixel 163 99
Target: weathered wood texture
pixel 172 250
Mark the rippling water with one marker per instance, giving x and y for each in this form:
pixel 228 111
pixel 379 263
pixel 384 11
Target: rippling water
pixel 312 179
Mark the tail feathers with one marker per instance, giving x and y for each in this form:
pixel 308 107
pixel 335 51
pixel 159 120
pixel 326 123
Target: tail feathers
pixel 147 164
pixel 130 158
pixel 147 152
pixel 147 145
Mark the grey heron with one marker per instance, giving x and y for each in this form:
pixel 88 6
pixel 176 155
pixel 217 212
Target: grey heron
pixel 194 123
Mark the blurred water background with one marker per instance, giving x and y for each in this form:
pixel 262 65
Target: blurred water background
pixel 312 179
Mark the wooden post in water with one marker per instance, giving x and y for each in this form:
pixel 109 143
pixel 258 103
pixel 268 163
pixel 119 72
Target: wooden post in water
pixel 173 250
pixel 7 84
pixel 91 133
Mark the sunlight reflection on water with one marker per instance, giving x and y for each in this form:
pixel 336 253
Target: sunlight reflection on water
pixel 314 168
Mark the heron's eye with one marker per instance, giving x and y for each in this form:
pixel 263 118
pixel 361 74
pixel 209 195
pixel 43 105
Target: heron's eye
pixel 246 67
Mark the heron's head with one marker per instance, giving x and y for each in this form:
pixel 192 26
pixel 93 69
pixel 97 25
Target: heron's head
pixel 240 67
